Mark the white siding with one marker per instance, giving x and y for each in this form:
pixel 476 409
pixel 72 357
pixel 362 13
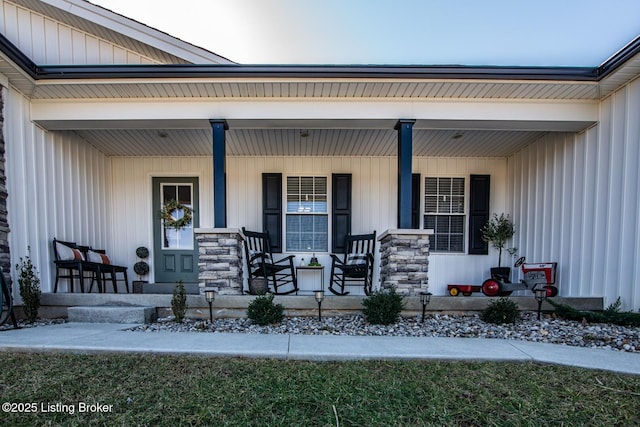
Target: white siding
pixel 48 41
pixel 462 268
pixel 132 210
pixel 373 180
pixel 58 187
pixel 374 197
pixel 576 197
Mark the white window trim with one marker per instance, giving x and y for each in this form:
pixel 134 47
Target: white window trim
pixel 424 213
pixel 285 212
pixel 190 226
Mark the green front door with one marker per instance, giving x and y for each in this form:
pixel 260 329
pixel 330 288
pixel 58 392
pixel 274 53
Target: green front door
pixel 175 251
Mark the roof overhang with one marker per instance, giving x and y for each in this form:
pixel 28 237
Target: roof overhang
pixel 104 103
pixel 35 80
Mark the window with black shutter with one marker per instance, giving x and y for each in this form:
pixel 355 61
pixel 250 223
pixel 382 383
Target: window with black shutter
pixel 479 186
pixel 272 209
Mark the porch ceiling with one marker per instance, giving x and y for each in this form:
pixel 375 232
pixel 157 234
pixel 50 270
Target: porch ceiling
pixel 319 142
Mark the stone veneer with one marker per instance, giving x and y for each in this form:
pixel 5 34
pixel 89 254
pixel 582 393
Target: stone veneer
pixel 404 260
pixel 5 255
pixel 220 260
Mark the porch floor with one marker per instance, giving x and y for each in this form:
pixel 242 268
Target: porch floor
pixel 56 305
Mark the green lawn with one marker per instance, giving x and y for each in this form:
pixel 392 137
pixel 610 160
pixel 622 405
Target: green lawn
pixel 171 391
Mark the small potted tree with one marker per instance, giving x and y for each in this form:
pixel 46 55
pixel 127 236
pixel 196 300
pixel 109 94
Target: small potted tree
pixel 141 268
pixel 497 231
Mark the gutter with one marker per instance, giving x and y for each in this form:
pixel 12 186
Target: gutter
pixel 618 59
pixel 314 71
pixel 16 56
pixel 458 72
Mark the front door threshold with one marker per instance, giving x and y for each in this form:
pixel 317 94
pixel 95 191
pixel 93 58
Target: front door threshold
pixel 167 288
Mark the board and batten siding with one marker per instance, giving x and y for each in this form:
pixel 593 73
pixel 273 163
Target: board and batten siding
pixel 462 268
pixel 373 192
pixel 48 41
pixel 575 199
pixel 132 209
pixel 58 186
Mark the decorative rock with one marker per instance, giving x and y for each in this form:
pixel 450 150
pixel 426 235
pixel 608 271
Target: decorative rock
pixel 547 330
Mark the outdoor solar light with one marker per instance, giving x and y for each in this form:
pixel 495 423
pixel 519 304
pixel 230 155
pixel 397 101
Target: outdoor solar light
pixel 425 299
pixel 210 296
pixel 541 295
pixel 319 298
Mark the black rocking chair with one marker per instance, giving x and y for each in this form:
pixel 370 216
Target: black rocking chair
pixel 356 268
pixel 280 275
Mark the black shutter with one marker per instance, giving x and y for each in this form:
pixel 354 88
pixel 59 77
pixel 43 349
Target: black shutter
pixel 479 186
pixel 272 208
pixel 340 211
pixel 415 201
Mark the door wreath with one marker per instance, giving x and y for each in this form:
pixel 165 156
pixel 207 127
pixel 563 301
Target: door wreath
pixel 172 222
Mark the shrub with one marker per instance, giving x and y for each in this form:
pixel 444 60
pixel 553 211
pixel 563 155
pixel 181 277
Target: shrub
pixel 29 287
pixel 611 314
pixel 499 311
pixel 383 308
pixel 179 302
pixel 262 311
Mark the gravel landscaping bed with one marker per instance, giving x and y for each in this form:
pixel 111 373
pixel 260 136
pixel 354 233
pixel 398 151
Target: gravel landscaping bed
pixel 528 328
pixel 25 324
pixel 547 330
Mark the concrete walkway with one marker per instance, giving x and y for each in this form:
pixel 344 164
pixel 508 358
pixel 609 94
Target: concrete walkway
pixel 112 338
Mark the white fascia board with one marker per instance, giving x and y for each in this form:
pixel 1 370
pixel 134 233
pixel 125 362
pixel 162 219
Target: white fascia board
pixel 137 31
pixel 195 113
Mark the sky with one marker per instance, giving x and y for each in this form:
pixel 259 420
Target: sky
pixel 418 32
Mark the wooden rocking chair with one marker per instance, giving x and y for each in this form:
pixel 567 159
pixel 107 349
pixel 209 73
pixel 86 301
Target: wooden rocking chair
pixel 280 275
pixel 356 268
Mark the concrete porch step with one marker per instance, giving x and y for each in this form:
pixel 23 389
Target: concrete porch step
pixel 112 313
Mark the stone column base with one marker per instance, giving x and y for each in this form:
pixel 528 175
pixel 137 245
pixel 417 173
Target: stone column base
pixel 220 260
pixel 404 261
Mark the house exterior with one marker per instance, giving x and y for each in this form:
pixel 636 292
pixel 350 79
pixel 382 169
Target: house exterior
pixel 105 119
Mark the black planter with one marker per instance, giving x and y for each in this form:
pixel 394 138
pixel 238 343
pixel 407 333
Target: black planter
pixel 258 286
pixel 502 274
pixel 138 286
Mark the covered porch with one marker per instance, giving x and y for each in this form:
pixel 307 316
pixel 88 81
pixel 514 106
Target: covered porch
pixel 113 148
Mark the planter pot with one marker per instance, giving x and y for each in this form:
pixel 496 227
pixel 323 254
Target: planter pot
pixel 258 286
pixel 138 285
pixel 501 273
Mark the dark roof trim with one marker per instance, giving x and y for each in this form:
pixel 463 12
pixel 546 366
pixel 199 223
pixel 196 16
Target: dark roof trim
pixel 619 58
pixel 19 58
pixel 316 71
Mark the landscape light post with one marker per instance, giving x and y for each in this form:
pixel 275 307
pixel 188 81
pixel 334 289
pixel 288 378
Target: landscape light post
pixel 425 299
pixel 210 296
pixel 319 298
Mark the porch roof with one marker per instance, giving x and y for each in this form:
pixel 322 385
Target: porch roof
pixel 319 81
pixel 459 111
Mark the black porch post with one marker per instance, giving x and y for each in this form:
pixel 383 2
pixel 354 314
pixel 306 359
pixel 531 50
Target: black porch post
pixel 405 153
pixel 219 174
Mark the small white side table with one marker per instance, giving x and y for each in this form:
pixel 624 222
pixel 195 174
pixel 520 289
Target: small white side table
pixel 313 268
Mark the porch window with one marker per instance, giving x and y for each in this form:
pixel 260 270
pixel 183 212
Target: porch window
pixel 307 228
pixel 183 194
pixel 444 213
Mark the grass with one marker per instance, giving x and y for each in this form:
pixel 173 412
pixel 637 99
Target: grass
pixel 170 391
